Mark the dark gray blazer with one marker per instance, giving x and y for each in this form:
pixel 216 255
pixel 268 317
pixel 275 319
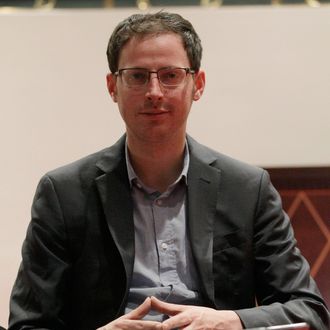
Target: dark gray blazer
pixel 79 250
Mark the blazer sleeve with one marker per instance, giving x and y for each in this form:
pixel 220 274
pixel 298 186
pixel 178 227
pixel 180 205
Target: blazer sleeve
pixel 285 292
pixel 40 290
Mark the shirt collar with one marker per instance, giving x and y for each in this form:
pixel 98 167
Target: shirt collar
pixel 132 176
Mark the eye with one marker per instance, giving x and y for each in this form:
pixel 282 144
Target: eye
pixel 137 76
pixel 171 76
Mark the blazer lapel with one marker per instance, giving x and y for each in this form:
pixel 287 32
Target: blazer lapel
pixel 203 190
pixel 114 190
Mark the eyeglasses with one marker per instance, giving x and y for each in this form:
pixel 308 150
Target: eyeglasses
pixel 168 77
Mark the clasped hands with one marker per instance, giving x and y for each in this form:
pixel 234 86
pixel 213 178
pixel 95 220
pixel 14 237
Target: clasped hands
pixel 181 317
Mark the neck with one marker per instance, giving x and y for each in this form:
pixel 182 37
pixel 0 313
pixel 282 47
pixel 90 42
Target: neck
pixel 157 164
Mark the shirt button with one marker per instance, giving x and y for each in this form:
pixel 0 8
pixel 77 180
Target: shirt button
pixel 159 202
pixel 164 246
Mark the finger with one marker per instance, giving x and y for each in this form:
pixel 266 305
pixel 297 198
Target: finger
pixel 166 308
pixel 139 312
pixel 180 320
pixel 123 324
pixel 140 324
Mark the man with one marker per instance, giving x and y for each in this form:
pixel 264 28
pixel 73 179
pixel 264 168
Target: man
pixel 158 231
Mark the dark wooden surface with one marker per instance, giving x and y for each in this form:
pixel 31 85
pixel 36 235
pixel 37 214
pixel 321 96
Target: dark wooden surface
pixel 305 195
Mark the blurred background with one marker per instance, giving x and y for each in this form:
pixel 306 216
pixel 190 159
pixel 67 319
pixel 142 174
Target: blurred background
pixel 267 102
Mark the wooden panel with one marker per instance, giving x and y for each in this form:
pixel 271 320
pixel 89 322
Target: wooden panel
pixel 305 194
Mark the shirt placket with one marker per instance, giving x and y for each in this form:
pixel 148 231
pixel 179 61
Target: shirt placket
pixel 165 240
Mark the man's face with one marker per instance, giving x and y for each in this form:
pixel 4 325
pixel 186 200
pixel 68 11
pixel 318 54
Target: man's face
pixel 154 113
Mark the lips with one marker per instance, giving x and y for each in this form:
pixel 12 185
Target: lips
pixel 154 113
pixel 154 109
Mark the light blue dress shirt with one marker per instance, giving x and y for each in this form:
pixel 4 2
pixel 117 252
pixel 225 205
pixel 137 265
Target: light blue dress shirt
pixel 163 265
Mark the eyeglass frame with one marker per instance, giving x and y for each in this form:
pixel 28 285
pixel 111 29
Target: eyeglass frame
pixel 187 70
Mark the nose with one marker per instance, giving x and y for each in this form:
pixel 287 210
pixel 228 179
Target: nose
pixel 154 88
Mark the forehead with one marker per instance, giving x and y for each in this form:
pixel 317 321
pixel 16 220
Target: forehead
pixel 154 49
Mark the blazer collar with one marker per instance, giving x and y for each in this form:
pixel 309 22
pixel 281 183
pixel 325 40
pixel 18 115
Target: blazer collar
pixel 112 156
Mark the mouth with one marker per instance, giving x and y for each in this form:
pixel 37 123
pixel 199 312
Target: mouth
pixel 154 116
pixel 154 110
pixel 155 113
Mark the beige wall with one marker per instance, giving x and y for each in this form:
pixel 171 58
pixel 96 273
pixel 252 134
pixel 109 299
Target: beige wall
pixel 267 99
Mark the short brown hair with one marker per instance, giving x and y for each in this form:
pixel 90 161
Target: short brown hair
pixel 153 24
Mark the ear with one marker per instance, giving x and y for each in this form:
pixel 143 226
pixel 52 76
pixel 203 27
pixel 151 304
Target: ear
pixel 111 85
pixel 199 85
